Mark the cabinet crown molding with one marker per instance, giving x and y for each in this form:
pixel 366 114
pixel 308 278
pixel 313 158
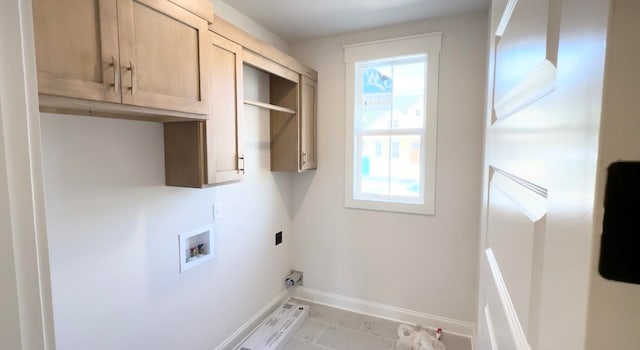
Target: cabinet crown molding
pixel 259 47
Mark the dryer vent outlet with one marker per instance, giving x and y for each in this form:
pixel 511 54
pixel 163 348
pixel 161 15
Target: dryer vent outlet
pixel 294 278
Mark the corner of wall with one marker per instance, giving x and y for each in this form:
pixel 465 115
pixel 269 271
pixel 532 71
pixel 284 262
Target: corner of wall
pixel 249 25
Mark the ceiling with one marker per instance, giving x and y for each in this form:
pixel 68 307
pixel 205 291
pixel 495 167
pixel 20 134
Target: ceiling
pixel 295 20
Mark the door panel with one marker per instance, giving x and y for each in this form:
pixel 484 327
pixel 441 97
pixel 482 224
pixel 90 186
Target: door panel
pixel 516 217
pixel 178 50
pixel 500 319
pixel 524 72
pixel 87 66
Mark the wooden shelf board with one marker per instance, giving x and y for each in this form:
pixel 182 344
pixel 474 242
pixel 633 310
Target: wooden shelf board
pixel 270 106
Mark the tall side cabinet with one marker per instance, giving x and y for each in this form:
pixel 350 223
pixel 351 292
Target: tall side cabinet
pixel 210 152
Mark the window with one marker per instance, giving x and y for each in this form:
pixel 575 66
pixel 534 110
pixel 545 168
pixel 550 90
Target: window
pixel 391 124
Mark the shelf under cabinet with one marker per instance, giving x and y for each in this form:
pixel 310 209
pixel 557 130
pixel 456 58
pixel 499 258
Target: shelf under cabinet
pixel 270 106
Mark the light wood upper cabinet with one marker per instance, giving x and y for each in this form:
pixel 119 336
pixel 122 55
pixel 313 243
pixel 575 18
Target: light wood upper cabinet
pixel 210 152
pixel 308 114
pixel 292 101
pixel 77 48
pixel 225 149
pixel 161 49
pixel 293 135
pixel 143 53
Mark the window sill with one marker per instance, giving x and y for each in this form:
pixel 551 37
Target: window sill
pixel 393 207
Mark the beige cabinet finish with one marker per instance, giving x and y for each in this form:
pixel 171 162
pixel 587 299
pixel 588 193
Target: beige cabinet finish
pixel 210 152
pixel 144 53
pixel 284 125
pixel 161 48
pixel 292 102
pixel 184 154
pixel 308 114
pixel 256 47
pixel 86 67
pixel 293 135
pixel 225 151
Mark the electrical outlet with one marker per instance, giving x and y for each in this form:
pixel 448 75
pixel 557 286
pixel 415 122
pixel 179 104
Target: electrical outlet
pixel 278 237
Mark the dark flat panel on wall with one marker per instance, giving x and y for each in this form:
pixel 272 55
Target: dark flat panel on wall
pixel 620 250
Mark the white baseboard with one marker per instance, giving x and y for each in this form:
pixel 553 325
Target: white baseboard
pixel 464 329
pixel 243 332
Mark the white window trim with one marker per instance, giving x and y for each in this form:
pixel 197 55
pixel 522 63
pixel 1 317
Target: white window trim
pixel 429 44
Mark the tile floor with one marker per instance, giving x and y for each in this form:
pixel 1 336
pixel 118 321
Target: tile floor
pixel 329 328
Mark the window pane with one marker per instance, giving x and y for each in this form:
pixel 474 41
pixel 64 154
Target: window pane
pixel 405 167
pixel 374 165
pixel 376 95
pixel 391 94
pixel 408 95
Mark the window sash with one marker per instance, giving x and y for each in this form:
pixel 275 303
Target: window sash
pixel 390 132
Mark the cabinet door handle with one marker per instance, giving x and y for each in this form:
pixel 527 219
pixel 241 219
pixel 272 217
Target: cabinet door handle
pixel 304 158
pixel 116 74
pixel 241 163
pixel 133 76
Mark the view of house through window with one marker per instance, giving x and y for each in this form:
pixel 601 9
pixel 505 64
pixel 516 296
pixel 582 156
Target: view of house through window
pixel 391 121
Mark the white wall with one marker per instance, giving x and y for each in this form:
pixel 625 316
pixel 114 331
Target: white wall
pixel 113 233
pixel 421 263
pixel 614 307
pixel 240 20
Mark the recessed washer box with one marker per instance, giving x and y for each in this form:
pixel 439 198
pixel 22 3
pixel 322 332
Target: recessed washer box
pixel 196 247
pixel 274 332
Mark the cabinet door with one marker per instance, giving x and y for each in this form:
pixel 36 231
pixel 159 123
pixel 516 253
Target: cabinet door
pixel 225 157
pixel 77 48
pixel 308 112
pixel 162 55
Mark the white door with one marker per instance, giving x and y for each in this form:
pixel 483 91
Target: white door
pixel 544 105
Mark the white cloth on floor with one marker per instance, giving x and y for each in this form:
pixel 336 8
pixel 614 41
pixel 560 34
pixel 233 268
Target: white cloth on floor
pixel 411 339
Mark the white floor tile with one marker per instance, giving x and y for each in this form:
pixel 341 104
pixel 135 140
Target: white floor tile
pixel 339 338
pixel 381 327
pixel 295 344
pixel 338 317
pixel 310 330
